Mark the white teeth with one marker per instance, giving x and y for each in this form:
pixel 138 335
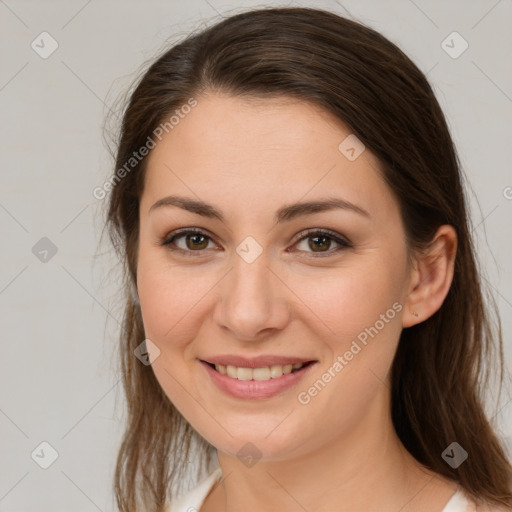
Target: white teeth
pixel 264 373
pixel 243 373
pixel 259 373
pixel 276 371
pixel 231 371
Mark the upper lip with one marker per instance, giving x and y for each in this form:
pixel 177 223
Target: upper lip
pixel 255 362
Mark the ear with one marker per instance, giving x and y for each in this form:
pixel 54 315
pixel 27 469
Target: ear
pixel 431 277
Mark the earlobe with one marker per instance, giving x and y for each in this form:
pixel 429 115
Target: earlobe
pixel 431 277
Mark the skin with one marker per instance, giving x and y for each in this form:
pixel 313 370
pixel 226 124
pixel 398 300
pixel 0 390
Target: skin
pixel 248 158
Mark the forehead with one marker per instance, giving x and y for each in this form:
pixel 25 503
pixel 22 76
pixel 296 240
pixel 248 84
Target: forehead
pixel 224 125
pixel 267 148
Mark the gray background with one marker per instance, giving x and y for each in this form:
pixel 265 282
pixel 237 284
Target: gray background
pixel 60 316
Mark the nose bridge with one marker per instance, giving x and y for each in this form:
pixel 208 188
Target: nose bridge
pixel 252 300
pixel 250 277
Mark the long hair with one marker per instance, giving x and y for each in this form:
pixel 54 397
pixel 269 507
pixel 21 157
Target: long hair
pixel 439 371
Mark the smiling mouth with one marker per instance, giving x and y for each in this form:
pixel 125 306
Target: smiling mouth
pixel 264 373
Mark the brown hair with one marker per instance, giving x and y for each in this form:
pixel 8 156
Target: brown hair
pixel 375 89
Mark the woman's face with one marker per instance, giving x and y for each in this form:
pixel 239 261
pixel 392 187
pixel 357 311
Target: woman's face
pixel 259 283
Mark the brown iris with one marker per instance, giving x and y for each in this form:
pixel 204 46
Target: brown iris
pixel 198 241
pixel 314 245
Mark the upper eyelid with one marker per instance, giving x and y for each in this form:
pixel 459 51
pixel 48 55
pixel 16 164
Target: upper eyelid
pixel 185 231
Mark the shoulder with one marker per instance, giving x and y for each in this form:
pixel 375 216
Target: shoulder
pixel 463 502
pixel 192 500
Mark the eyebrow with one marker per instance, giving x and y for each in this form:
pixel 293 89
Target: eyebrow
pixel 284 214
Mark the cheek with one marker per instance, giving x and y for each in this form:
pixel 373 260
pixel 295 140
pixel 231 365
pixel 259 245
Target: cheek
pixel 348 300
pixel 170 296
pixel 362 309
pixel 171 300
pixel 361 306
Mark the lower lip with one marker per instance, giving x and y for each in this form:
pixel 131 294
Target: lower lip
pixel 255 388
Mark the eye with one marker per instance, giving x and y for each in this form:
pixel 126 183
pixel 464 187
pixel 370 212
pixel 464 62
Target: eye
pixel 192 240
pixel 320 241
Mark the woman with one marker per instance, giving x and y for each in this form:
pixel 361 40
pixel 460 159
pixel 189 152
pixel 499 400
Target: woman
pixel 304 303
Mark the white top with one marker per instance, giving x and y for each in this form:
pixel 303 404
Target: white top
pixel 194 499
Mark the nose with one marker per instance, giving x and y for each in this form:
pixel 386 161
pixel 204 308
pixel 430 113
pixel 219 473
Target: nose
pixel 253 301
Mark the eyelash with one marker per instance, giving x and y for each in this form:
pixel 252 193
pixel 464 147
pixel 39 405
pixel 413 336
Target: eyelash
pixel 342 242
